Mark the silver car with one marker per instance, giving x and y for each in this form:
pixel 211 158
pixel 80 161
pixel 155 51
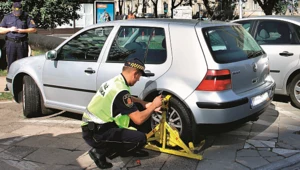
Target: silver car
pixel 215 71
pixel 279 36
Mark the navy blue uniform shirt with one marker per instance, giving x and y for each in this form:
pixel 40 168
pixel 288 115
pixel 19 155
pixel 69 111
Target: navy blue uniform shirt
pixel 21 22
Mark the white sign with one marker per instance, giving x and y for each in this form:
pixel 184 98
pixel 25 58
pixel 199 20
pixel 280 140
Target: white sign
pixel 183 12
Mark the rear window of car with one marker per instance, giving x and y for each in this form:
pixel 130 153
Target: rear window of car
pixel 229 44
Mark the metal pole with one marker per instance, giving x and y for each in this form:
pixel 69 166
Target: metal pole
pixel 241 9
pixel 293 7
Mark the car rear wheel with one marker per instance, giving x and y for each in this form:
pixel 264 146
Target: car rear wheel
pixel 30 98
pixel 295 91
pixel 178 117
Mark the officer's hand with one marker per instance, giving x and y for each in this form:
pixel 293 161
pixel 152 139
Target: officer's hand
pixel 13 29
pixel 157 102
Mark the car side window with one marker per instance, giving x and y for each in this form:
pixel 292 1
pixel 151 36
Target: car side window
pixel 85 46
pixel 274 32
pixel 246 24
pixel 297 33
pixel 133 42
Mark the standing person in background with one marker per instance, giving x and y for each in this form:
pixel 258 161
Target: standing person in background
pixel 131 15
pixel 16 26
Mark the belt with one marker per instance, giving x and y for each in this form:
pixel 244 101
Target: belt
pixel 91 126
pixel 17 40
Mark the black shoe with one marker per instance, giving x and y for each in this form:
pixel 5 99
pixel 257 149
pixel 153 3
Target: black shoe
pixel 99 160
pixel 6 88
pixel 140 153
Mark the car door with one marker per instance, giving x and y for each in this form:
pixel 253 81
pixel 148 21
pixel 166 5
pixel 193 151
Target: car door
pixel 70 80
pixel 280 42
pixel 147 43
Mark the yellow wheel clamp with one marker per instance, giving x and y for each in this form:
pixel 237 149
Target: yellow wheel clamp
pixel 169 136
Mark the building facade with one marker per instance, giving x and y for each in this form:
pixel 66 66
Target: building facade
pixel 87 11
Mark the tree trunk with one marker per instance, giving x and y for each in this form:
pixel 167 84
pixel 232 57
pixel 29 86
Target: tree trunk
pixel 120 7
pixel 173 6
pixel 267 6
pixel 155 2
pixel 207 7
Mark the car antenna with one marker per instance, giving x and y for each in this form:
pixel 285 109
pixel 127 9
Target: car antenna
pixel 146 52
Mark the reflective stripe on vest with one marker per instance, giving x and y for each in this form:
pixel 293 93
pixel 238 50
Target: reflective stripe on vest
pixel 92 118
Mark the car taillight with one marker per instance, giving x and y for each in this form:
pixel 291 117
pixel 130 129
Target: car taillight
pixel 216 80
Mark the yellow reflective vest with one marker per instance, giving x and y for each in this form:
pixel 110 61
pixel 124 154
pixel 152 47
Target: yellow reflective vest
pixel 100 108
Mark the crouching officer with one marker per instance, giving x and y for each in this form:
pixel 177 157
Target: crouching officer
pixel 106 120
pixel 16 26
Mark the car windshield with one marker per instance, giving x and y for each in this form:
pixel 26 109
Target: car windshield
pixel 231 44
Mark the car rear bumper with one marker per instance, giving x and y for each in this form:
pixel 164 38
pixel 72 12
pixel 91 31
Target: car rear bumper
pixel 220 111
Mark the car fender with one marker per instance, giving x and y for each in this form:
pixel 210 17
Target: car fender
pixel 289 77
pixel 31 66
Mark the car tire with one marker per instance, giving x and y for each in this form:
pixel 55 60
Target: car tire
pixel 295 91
pixel 180 115
pixel 30 98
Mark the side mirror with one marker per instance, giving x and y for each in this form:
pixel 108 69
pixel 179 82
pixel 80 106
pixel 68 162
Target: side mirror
pixel 51 55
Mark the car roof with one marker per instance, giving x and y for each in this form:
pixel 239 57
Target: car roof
pixel 162 21
pixel 274 17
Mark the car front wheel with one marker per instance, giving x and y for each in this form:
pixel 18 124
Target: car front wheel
pixel 177 117
pixel 295 91
pixel 30 98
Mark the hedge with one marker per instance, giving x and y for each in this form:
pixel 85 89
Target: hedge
pixel 39 41
pixel 36 42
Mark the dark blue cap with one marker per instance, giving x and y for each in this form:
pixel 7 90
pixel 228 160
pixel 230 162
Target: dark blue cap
pixel 136 63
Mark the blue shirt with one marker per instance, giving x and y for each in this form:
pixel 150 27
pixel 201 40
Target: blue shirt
pixel 22 22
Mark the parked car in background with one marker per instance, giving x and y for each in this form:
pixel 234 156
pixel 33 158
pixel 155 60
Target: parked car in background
pixel 149 15
pixel 215 72
pixel 279 36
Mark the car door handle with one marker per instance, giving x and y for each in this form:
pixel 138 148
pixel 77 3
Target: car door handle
pixel 149 74
pixel 286 53
pixel 90 71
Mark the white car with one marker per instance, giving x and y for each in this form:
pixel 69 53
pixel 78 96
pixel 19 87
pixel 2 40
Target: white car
pixel 215 71
pixel 279 36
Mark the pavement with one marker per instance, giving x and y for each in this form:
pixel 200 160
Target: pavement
pixel 270 143
pixel 2 83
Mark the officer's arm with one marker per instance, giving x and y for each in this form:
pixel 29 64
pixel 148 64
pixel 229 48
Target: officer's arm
pixel 139 117
pixel 4 30
pixel 28 30
pixel 31 26
pixel 138 100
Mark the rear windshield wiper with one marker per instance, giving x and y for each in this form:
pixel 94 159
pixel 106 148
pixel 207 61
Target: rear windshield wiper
pixel 253 54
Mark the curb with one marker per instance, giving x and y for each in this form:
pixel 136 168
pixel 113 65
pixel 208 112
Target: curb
pixel 281 163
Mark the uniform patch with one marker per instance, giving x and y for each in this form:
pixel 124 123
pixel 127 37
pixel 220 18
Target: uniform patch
pixel 127 100
pixel 32 22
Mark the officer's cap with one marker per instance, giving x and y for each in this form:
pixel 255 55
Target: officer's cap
pixel 17 5
pixel 17 8
pixel 136 63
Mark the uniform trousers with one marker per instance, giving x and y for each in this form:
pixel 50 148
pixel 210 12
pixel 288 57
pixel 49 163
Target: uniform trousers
pixel 15 51
pixel 112 141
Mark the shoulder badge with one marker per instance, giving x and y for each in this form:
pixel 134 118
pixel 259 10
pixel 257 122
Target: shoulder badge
pixel 32 22
pixel 127 100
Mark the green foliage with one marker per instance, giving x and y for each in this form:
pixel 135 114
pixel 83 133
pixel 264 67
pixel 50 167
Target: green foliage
pixel 47 13
pixel 5 96
pixel 280 7
pixel 3 72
